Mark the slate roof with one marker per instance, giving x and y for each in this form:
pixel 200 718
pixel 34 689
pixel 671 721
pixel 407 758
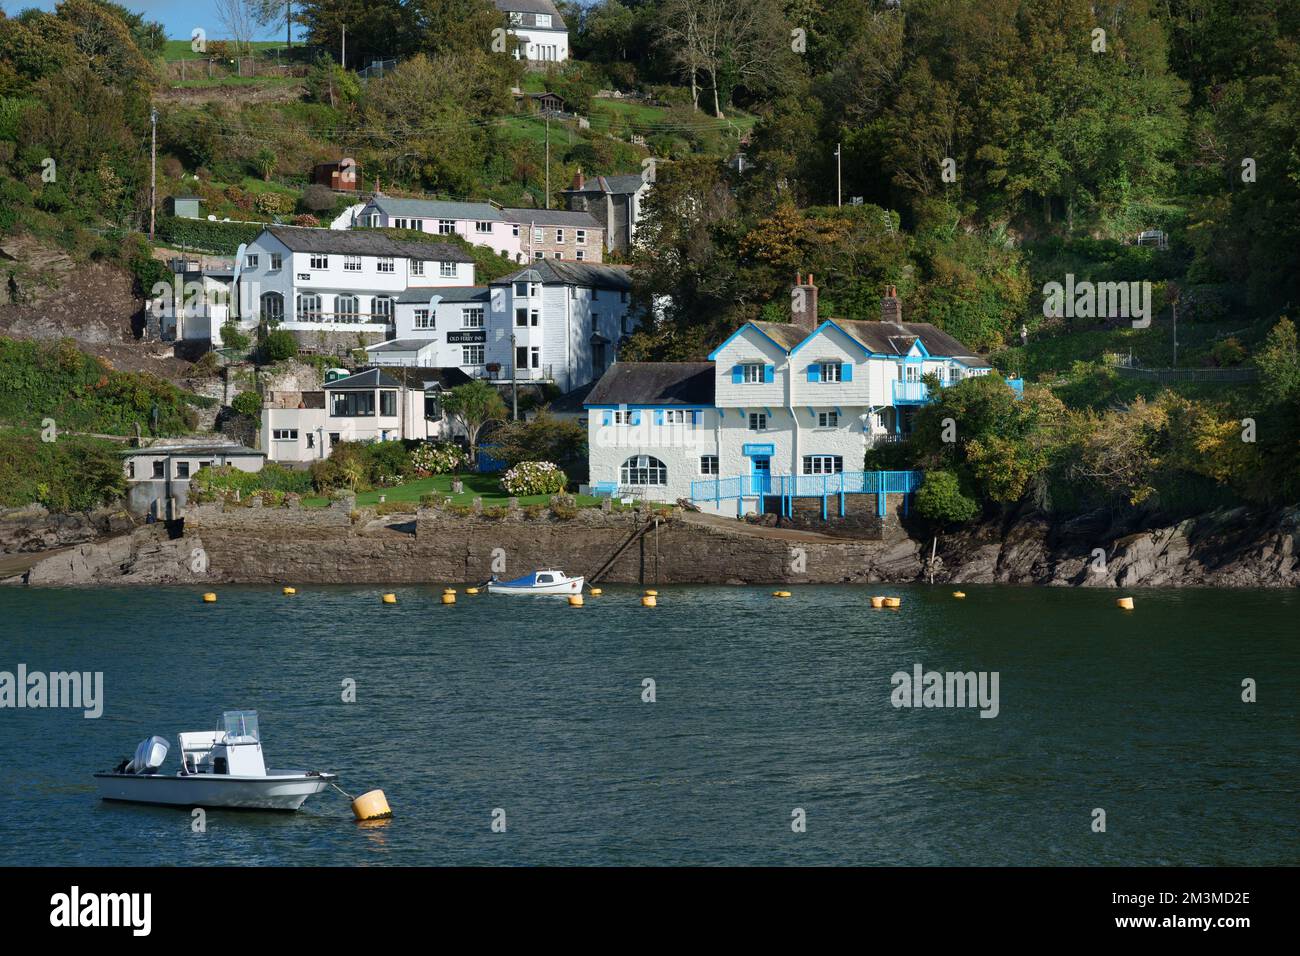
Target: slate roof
pixel 619 184
pixel 436 208
pixel 400 345
pixel 571 402
pixel 654 383
pixel 572 273
pixel 551 217
pixel 533 6
pixel 882 338
pixel 365 242
pixel 370 378
pixel 189 450
pixel 421 376
pixel 453 293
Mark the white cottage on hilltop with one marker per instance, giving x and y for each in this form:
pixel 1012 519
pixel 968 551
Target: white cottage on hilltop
pixel 541 32
pixel 779 411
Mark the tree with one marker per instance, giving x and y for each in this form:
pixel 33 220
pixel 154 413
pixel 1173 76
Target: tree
pixel 940 499
pixel 237 18
pixel 732 43
pixel 474 405
pixel 271 13
pixel 1279 363
pixel 542 438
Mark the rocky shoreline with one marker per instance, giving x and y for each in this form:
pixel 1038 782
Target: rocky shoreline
pixel 342 545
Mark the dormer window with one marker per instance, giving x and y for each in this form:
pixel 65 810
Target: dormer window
pixel 830 371
pixel 751 373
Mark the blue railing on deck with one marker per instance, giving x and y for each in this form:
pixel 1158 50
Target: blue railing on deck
pixel 910 392
pixel 810 486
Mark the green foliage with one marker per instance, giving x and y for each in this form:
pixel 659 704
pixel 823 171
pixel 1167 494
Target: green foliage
pixel 474 405
pixel 248 404
pixel 274 481
pixel 940 499
pixel 233 338
pixel 1279 363
pixel 542 438
pixel 278 345
pixel 534 478
pixel 437 458
pixel 82 393
pixel 221 238
pixel 72 474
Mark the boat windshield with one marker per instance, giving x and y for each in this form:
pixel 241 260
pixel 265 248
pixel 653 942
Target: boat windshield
pixel 241 725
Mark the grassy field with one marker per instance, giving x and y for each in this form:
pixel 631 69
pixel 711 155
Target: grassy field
pixel 183 49
pixel 486 487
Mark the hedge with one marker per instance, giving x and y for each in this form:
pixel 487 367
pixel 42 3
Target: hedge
pixel 220 238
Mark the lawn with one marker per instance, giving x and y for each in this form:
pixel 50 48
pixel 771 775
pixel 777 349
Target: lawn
pixel 183 49
pixel 486 487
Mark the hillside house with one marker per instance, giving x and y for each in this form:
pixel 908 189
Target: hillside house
pixel 540 32
pixel 615 201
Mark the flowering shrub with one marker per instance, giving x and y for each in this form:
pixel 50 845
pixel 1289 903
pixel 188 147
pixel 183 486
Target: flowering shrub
pixel 534 478
pixel 438 458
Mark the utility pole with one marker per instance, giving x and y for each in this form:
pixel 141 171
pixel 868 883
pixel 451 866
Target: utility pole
pixel 288 24
pixel 548 159
pixel 514 377
pixel 1174 305
pixel 343 48
pixel 839 198
pixel 153 168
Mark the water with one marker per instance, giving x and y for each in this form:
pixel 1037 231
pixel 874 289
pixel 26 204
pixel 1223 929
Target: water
pixel 763 705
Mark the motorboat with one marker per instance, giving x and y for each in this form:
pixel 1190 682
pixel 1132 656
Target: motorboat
pixel 549 581
pixel 219 768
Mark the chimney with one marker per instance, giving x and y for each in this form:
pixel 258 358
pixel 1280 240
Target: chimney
pixel 578 181
pixel 891 310
pixel 803 303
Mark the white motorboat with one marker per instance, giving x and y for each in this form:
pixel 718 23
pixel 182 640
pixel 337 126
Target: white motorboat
pixel 549 581
pixel 219 768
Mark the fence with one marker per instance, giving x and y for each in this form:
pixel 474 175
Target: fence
pixel 1171 376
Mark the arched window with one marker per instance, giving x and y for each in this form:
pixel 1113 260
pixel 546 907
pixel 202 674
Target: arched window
pixel 643 470
pixel 272 307
pixel 309 308
pixel 347 308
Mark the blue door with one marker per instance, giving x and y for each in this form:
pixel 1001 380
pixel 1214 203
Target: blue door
pixel 760 475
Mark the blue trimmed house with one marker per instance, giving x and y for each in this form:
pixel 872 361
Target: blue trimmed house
pixel 780 411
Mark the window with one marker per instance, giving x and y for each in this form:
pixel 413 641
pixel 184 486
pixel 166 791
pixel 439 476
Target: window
pixel 708 464
pixel 183 469
pixel 559 235
pixel 581 255
pixel 471 355
pixel 311 440
pixel 446 227
pixel 309 308
pixel 130 467
pixel 521 290
pixel 643 470
pixel 822 464
pixel 543 19
pixel 417 225
pixel 481 226
pixel 383 309
pixel 334 438
pixel 432 406
pixel 521 317
pixel 272 307
pixel 757 421
pixel 678 416
pixel 539 234
pixel 830 371
pixel 580 236
pixel 557 255
pixel 347 308
pixel 828 419
pixel 351 263
pixel 399 223
pixel 320 262
pixel 160 469
pixel 514 230
pixel 423 320
pixel 417 267
pixel 352 405
pixel 374 220
pixel 539 256
pixel 250 262
pixel 622 417
pixel 471 318
pixel 447 270
pixel 384 264
pixel 535 317
pixel 752 374
pixel 535 357
pixel 286 434
pixel 277 261
pixel 388 402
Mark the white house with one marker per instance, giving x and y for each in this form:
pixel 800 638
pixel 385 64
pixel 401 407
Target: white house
pixel 519 235
pixel 541 31
pixel 777 408
pixel 373 405
pixel 326 280
pixel 158 477
pixel 554 321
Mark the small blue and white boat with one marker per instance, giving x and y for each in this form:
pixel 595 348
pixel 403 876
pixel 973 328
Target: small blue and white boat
pixel 548 581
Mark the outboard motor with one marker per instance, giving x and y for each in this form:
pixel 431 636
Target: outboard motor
pixel 149 756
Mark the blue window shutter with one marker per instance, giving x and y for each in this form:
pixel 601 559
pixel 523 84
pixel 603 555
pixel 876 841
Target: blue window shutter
pixel 769 373
pixel 814 372
pixel 659 416
pixel 846 372
pixel 636 418
pixel 695 417
pixel 609 418
pixel 737 374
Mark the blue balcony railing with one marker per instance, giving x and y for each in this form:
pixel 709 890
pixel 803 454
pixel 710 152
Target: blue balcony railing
pixel 807 486
pixel 910 393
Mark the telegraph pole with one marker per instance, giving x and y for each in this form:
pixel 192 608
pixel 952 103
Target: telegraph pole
pixel 548 159
pixel 343 48
pixel 839 198
pixel 153 168
pixel 514 377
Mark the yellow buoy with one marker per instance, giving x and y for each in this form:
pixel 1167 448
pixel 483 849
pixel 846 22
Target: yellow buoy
pixel 780 594
pixel 390 598
pixel 1125 603
pixel 448 590
pixel 893 602
pixel 877 602
pixel 575 600
pixel 372 805
pixel 959 594
pixel 471 590
pixel 649 601
pixel 596 592
pixel 448 597
pixel 209 598
pixel 290 590
pixel 651 593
